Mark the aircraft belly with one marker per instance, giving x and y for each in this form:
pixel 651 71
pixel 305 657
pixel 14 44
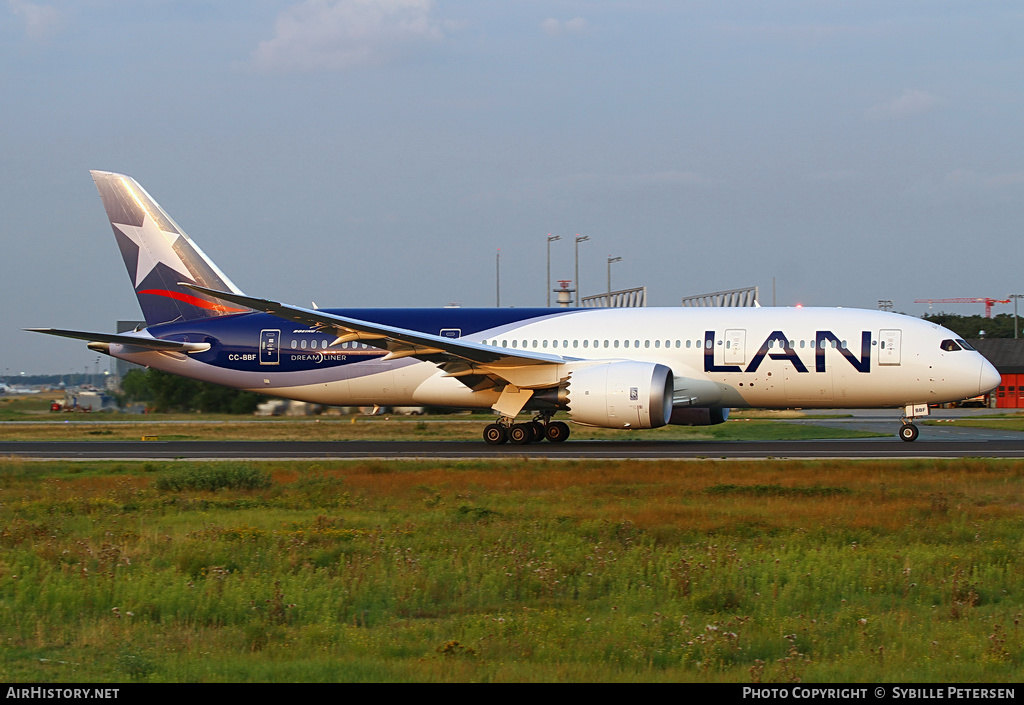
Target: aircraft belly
pixel 363 384
pixel 856 389
pixel 377 382
pixel 808 387
pixel 449 391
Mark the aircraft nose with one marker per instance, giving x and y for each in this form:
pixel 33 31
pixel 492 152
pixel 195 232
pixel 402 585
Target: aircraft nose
pixel 989 378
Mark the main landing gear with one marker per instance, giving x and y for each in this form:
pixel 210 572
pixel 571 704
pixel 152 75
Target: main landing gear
pixel 533 431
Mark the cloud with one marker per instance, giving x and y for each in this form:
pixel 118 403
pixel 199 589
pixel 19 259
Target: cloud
pixel 911 102
pixel 554 28
pixel 41 21
pixel 342 34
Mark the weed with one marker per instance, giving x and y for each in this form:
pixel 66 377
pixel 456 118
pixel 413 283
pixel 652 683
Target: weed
pixel 454 648
pixel 777 491
pixel 793 663
pixel 135 663
pixel 215 476
pixel 477 513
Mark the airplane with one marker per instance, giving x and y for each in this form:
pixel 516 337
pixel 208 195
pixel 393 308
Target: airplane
pixel 634 368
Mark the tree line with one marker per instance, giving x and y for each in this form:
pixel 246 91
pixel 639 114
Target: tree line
pixel 161 391
pixel 999 326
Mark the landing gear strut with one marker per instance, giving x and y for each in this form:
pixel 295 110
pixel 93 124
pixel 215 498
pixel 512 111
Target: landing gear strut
pixel 535 431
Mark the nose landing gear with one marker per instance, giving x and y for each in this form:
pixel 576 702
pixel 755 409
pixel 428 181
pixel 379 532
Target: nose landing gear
pixel 908 431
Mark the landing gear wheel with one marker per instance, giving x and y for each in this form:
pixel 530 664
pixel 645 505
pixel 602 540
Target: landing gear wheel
pixel 557 431
pixel 908 432
pixel 538 431
pixel 520 434
pixel 495 434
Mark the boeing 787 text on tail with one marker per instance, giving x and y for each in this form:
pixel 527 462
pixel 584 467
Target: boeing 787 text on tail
pixel 614 368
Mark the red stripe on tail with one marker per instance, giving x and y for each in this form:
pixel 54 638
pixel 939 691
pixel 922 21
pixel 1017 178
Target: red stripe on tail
pixel 194 301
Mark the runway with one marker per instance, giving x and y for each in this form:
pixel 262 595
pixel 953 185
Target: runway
pixel 938 440
pixel 891 448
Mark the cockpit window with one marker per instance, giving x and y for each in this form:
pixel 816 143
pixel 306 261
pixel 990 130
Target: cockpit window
pixel 949 345
pixel 964 344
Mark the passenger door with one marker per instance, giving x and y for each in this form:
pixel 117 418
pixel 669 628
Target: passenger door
pixel 889 347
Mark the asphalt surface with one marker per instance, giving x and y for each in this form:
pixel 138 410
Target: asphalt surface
pixel 935 441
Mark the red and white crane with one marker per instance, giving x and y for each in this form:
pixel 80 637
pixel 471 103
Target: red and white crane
pixel 975 300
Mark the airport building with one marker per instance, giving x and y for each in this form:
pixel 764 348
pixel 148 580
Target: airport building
pixel 1007 355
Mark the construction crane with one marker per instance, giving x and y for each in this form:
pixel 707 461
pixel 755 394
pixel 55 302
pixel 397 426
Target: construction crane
pixel 977 300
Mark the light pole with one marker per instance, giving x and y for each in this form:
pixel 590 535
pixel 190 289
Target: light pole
pixel 579 291
pixel 497 279
pixel 611 259
pixel 551 238
pixel 1015 297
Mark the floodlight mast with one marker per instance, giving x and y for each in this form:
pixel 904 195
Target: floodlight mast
pixel 611 260
pixel 551 238
pixel 579 290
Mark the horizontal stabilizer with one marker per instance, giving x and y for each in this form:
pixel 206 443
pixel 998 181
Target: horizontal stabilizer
pixel 139 342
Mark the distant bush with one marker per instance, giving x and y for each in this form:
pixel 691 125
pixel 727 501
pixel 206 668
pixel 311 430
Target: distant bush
pixel 777 490
pixel 167 392
pixel 216 476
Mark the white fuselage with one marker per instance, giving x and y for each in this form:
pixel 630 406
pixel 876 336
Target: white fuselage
pixel 759 357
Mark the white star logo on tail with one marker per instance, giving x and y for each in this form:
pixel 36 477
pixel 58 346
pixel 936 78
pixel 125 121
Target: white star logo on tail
pixel 155 246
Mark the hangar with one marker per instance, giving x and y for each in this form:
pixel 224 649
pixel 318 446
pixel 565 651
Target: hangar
pixel 1007 355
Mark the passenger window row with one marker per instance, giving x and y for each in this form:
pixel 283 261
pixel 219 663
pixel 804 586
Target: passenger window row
pixel 323 344
pixel 636 344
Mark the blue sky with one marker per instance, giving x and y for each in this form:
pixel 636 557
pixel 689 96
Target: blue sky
pixel 379 152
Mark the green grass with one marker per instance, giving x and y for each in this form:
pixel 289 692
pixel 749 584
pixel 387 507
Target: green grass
pixel 24 407
pixel 215 476
pixel 1002 424
pixel 516 570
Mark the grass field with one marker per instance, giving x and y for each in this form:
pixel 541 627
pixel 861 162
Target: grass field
pixel 769 571
pixel 1012 422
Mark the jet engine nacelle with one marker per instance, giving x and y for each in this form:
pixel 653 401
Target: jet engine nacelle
pixel 698 416
pixel 621 395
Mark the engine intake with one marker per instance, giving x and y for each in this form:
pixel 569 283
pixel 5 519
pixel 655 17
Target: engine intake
pixel 621 395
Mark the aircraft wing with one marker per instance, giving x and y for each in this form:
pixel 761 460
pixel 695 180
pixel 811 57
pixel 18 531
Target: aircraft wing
pixel 137 341
pixel 478 366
